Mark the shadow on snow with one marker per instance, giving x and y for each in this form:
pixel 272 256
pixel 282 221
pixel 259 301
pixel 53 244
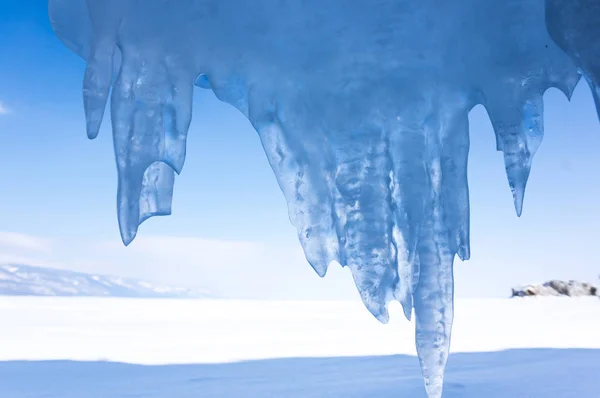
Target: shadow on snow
pixel 514 373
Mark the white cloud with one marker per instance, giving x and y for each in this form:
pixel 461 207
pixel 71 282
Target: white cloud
pixel 3 109
pixel 26 242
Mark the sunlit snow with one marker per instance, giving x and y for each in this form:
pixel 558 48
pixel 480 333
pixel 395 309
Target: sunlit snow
pixel 98 348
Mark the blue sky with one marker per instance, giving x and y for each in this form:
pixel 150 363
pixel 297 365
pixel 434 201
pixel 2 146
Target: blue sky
pixel 229 231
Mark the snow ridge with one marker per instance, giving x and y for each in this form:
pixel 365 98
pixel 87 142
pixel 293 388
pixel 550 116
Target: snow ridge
pixel 27 280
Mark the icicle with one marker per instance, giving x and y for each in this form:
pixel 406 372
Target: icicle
pixel 434 308
pixel 302 175
pixel 363 207
pixel 408 186
pixel 445 232
pixel 151 113
pixel 519 132
pixel 105 20
pixel 455 186
pixel 137 144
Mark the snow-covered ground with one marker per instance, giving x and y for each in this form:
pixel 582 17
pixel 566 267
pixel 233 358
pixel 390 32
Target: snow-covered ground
pixel 503 348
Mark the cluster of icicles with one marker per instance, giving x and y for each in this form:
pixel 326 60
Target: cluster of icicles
pixel 361 106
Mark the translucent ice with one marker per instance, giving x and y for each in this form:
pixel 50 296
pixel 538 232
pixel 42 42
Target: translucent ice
pixel 362 109
pixel 575 26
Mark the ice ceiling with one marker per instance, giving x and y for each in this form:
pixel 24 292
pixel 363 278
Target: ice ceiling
pixel 361 106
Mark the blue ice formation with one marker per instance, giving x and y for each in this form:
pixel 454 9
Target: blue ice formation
pixel 361 106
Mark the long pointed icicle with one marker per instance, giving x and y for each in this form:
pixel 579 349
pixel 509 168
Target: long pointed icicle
pixel 310 202
pixel 519 133
pixel 363 187
pixel 312 219
pixel 105 20
pixel 149 137
pixel 409 180
pixel 445 232
pixel 434 309
pixel 455 187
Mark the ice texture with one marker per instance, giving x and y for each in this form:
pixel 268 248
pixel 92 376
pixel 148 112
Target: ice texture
pixel 575 27
pixel 362 109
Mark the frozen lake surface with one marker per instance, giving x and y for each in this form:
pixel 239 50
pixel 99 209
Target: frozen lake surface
pixel 87 347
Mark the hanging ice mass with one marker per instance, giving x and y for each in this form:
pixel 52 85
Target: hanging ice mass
pixel 361 106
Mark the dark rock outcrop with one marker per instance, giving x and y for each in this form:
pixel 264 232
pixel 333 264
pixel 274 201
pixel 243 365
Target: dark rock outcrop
pixel 557 288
